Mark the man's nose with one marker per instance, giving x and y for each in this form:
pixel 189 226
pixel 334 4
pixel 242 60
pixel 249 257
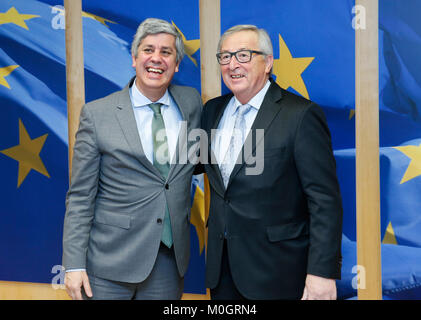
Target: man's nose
pixel 233 62
pixel 156 57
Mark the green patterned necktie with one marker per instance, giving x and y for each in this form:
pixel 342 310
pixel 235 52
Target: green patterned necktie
pixel 161 162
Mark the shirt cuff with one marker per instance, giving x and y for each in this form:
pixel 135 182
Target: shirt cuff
pixel 71 270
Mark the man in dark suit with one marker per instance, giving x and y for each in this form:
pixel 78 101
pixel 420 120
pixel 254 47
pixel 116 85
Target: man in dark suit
pixel 275 220
pixel 127 224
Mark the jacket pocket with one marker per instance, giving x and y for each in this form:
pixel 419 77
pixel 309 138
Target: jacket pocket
pixel 113 219
pixel 287 231
pixel 275 152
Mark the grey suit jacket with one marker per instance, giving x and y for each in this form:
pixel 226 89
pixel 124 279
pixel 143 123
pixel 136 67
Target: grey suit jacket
pixel 116 201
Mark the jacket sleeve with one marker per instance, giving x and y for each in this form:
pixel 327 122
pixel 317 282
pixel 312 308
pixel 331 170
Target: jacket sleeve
pixel 80 199
pixel 317 171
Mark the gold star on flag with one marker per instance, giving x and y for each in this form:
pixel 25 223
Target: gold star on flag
pixel 97 18
pixel 198 216
pixel 288 70
pixel 191 46
pixel 389 236
pixel 27 154
pixel 4 72
pixel 90 16
pixel 13 16
pixel 414 167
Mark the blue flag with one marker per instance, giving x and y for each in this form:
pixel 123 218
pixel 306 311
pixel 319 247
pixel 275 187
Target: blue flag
pixel 33 126
pixel 314 53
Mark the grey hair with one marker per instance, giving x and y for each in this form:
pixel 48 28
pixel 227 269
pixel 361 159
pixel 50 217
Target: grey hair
pixel 265 44
pixel 152 26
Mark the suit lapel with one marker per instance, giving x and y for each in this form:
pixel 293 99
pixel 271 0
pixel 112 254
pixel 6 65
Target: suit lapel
pixel 179 100
pixel 267 112
pixel 182 135
pixel 126 119
pixel 220 108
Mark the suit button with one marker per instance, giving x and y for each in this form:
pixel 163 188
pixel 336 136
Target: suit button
pixel 227 201
pixel 167 186
pixel 159 221
pixel 221 236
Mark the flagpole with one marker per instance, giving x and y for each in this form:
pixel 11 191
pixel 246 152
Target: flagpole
pixel 74 70
pixel 367 153
pixel 210 31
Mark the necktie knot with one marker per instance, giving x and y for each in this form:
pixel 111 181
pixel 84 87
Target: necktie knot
pixel 243 109
pixel 156 108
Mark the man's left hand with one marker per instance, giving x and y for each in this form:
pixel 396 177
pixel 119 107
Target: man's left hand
pixel 318 288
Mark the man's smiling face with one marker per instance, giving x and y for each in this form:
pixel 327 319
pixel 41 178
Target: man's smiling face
pixel 245 79
pixel 155 64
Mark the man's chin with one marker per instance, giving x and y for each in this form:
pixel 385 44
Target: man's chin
pixel 156 83
pixel 238 89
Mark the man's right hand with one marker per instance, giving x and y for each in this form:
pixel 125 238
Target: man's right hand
pixel 73 281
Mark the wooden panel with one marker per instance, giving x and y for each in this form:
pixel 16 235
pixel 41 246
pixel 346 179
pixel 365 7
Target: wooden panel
pixel 30 291
pixel 367 152
pixel 74 69
pixel 191 296
pixel 43 291
pixel 210 30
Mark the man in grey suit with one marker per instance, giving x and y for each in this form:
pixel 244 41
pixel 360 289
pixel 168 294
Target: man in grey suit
pixel 126 229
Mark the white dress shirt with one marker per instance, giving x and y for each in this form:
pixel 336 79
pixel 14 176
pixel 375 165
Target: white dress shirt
pixel 222 136
pixel 143 113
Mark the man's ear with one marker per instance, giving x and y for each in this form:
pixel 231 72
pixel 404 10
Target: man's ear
pixel 133 61
pixel 269 63
pixel 177 66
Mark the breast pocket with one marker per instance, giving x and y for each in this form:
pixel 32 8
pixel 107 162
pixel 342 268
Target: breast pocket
pixel 264 154
pixel 279 152
pixel 266 166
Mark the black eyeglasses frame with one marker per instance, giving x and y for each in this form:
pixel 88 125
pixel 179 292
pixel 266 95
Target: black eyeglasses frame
pixel 235 55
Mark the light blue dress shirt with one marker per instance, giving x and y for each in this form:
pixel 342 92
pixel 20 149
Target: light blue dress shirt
pixel 222 136
pixel 143 113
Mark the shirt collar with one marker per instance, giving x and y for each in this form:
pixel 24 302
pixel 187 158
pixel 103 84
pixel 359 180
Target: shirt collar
pixel 254 102
pixel 139 100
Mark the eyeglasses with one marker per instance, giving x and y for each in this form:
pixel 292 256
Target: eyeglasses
pixel 242 56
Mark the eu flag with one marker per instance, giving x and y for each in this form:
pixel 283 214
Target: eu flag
pixel 314 52
pixel 33 126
